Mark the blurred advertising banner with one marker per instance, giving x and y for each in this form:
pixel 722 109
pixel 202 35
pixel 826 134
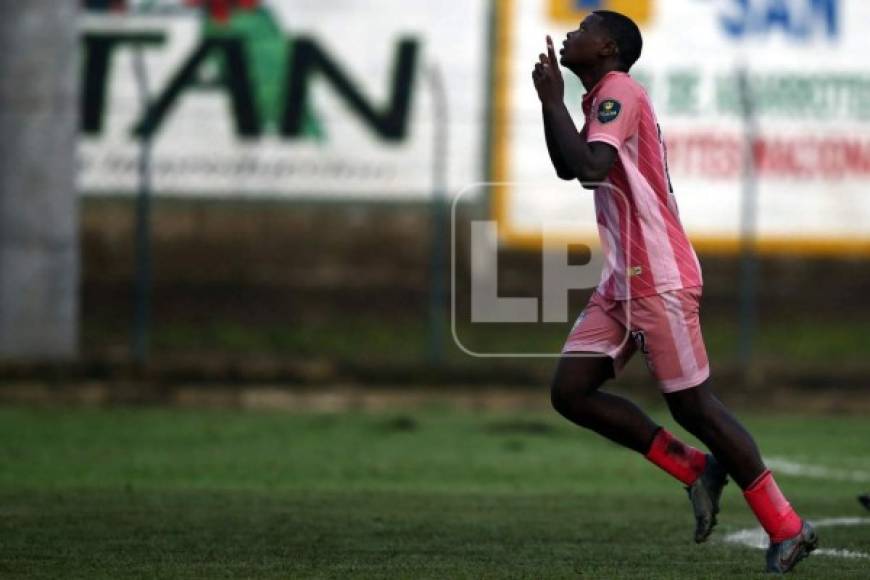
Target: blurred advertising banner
pixel 809 78
pixel 280 98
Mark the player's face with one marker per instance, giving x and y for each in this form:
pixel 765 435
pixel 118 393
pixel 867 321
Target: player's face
pixel 582 46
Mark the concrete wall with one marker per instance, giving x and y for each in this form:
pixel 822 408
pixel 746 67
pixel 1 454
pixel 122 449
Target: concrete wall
pixel 39 256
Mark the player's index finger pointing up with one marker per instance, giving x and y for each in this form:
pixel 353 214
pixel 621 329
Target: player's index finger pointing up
pixel 550 50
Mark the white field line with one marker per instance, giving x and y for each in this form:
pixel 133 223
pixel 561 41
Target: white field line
pixel 784 466
pixel 756 538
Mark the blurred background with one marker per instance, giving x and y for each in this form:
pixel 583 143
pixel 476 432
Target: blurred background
pixel 259 191
pixel 236 274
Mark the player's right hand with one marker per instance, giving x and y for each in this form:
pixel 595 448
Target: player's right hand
pixel 548 77
pixel 551 56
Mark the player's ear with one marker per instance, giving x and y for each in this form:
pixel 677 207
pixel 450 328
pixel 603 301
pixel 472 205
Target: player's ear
pixel 609 48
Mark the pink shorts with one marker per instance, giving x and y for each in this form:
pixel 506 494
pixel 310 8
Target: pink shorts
pixel 664 327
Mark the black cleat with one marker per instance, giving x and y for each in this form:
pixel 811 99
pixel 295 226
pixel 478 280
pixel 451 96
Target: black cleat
pixel 783 556
pixel 704 494
pixel 865 500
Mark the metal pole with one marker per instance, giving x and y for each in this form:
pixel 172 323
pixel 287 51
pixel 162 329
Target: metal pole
pixel 438 266
pixel 142 318
pixel 748 231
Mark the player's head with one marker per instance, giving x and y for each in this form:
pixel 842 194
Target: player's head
pixel 603 35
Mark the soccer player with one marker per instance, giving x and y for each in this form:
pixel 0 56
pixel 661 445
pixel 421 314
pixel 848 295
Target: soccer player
pixel 650 289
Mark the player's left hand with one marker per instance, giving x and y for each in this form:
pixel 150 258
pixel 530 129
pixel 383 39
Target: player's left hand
pixel 548 77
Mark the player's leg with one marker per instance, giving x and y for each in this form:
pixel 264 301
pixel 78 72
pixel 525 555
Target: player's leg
pixel 595 350
pixel 702 414
pixel 576 396
pixel 659 446
pixel 678 362
pixel 678 358
pixel 602 328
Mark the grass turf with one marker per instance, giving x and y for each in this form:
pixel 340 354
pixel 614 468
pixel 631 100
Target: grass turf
pixel 357 338
pixel 439 493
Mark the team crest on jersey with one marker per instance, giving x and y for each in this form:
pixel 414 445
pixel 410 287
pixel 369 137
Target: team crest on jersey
pixel 608 110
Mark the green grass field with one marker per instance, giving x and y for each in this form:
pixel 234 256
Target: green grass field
pixel 439 493
pixel 358 338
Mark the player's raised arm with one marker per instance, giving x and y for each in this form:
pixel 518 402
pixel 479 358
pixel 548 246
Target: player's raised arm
pixel 559 164
pixel 572 156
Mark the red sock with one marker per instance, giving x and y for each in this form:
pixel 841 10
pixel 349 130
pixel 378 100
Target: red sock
pixel 680 460
pixel 773 511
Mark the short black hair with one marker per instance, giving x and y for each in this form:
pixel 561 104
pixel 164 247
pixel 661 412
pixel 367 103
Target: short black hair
pixel 625 34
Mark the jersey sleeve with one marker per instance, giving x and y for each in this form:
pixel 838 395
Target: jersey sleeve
pixel 615 113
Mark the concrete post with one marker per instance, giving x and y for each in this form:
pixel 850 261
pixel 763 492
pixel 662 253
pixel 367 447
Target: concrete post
pixel 39 250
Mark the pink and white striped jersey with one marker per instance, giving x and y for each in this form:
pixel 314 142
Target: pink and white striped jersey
pixel 641 234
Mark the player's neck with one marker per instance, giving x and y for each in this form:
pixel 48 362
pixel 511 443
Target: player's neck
pixel 592 76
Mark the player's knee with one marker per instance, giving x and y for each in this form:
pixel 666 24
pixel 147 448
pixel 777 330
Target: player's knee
pixel 566 396
pixel 569 398
pixel 574 380
pixel 557 399
pixel 561 397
